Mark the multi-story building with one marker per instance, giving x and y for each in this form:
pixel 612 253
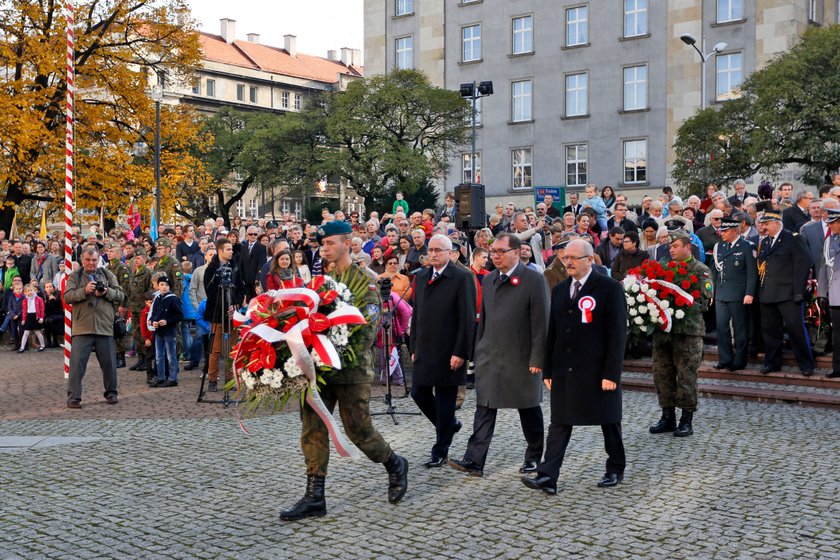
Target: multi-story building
pixel 247 75
pixel 584 91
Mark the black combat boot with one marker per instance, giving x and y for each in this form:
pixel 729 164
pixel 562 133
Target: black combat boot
pixel 313 503
pixel 140 365
pixel 120 360
pixel 397 468
pixel 685 429
pixel 667 423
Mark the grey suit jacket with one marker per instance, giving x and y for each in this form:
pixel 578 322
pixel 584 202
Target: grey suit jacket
pixel 812 233
pixel 511 339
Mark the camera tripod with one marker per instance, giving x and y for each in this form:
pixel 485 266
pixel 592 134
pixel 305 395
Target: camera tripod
pixel 224 299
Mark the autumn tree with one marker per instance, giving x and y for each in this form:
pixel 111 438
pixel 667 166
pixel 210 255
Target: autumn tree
pixel 119 44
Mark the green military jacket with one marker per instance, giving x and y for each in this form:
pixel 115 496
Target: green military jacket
pixel 141 282
pixel 120 271
pixel 362 371
pixel 173 270
pixel 694 324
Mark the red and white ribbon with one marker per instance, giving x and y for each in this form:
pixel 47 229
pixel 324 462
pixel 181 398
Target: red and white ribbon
pixel 674 288
pixel 586 306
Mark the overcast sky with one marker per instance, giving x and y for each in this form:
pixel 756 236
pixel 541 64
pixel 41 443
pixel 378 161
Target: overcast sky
pixel 320 25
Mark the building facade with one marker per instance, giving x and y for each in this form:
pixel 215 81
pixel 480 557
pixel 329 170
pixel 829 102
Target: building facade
pixel 584 91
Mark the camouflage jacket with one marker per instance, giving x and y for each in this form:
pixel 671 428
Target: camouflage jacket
pixel 172 269
pixel 694 324
pixel 120 270
pixel 362 371
pixel 141 282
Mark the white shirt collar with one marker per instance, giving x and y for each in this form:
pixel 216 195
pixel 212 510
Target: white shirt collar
pixel 582 282
pixel 440 271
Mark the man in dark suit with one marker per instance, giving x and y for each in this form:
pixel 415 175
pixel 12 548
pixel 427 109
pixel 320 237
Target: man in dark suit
pixel 816 231
pixel 741 194
pixel 587 311
pixel 253 257
pixel 829 283
pixel 734 290
pixel 797 215
pixel 620 219
pixel 573 206
pixel 550 210
pixel 509 355
pixel 783 268
pixel 442 331
pixel 313 256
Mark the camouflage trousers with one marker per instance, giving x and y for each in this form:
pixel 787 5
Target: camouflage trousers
pixel 354 408
pixel 676 358
pixel 137 334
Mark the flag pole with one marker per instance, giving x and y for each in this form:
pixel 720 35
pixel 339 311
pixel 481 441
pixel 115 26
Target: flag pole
pixel 69 175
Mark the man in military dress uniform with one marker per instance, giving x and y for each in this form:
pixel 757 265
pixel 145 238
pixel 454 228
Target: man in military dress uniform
pixel 141 282
pixel 350 389
pixel 123 276
pixel 783 269
pixel 829 283
pixel 677 355
pixel 735 287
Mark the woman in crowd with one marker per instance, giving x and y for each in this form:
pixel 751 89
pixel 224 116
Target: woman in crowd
pixel 400 283
pixel 281 270
pixel 301 266
pixel 43 266
pixel 584 222
pixel 629 257
pixel 649 229
pixel 402 254
pixel 53 316
pixel 608 194
pixel 377 263
pixel 706 203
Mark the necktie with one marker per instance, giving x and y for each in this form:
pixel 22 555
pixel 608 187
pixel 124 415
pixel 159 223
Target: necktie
pixel 435 275
pixel 503 278
pixel 576 293
pixel 827 233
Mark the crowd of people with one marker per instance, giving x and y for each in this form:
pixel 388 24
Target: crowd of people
pixel 166 298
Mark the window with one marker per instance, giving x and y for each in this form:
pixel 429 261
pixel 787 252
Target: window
pixel 635 161
pixel 635 18
pixel 196 89
pixel 576 98
pixel 635 88
pixel 405 7
pixel 240 208
pixel 521 101
pixel 576 156
pixel 298 100
pixel 577 32
pixel 521 167
pixel 240 92
pixel 211 88
pixel 211 204
pixel 729 73
pixel 730 10
pixel 252 94
pixel 523 35
pixel 405 53
pixel 252 208
pixel 471 43
pixel 813 11
pixel 284 100
pixel 466 176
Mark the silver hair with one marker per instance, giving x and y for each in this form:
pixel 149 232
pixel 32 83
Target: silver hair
pixel 356 240
pixel 692 198
pixel 446 241
pixel 801 194
pixel 830 202
pixel 739 182
pixel 588 250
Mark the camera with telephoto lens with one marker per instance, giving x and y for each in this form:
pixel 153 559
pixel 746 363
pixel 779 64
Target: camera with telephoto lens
pixel 385 288
pixel 101 286
pixel 225 276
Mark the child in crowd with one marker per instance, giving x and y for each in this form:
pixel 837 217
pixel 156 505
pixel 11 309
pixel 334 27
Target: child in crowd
pixel 189 311
pixel 53 316
pixel 148 338
pixel 202 332
pixel 165 314
pixel 32 313
pixel 14 311
pixel 597 204
pixel 400 203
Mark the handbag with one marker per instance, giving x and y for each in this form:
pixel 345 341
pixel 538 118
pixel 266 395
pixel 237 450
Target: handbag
pixel 120 329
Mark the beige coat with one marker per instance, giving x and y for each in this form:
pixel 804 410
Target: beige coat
pixel 91 314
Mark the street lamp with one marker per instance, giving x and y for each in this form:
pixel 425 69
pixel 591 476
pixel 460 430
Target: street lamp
pixel 691 41
pixel 157 96
pixel 475 91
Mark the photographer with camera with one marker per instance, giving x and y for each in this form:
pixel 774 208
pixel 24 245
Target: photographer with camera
pixel 94 294
pixel 222 280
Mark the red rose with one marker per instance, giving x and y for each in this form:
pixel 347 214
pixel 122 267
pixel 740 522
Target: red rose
pixel 693 279
pixel 663 294
pixel 695 294
pixel 669 276
pixel 685 284
pixel 683 271
pixel 672 264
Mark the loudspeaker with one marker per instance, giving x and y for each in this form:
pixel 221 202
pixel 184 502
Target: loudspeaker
pixel 469 206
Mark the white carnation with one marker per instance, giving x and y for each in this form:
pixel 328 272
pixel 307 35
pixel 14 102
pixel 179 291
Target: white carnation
pixel 639 321
pixel 635 288
pixel 679 314
pixel 633 312
pixel 664 304
pixel 640 298
pixel 651 292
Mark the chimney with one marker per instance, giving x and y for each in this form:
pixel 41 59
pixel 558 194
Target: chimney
pixel 228 30
pixel 332 55
pixel 254 38
pixel 346 56
pixel 290 44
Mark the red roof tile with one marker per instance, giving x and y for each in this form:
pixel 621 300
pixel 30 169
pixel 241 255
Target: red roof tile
pixel 273 59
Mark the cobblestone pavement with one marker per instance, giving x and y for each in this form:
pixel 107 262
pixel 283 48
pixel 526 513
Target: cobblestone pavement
pixel 755 481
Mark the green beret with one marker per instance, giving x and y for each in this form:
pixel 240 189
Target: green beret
pixel 679 235
pixel 333 228
pixel 164 242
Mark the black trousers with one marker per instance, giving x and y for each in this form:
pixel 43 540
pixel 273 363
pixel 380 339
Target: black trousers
pixel 834 313
pixel 484 425
pixel 774 318
pixel 738 314
pixel 438 405
pixel 558 440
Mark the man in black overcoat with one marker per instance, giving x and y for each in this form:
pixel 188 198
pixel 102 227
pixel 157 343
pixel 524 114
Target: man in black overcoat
pixel 253 255
pixel 587 333
pixel 442 331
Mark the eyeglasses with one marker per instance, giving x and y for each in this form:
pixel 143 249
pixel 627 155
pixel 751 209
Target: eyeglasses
pixel 250 234
pixel 714 218
pixel 436 250
pixel 567 259
pixel 499 252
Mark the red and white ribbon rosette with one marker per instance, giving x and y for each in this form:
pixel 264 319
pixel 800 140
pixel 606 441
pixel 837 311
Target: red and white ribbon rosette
pixel 586 306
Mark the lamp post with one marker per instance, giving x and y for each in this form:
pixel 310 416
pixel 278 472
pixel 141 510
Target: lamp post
pixel 691 41
pixel 157 96
pixel 473 92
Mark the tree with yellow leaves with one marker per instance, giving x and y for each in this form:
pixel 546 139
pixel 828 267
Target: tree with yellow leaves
pixel 120 46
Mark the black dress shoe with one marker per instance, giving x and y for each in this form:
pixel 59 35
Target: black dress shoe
pixel 807 372
pixel 610 479
pixel 528 467
pixel 466 466
pixel 832 374
pixel 212 386
pixel 541 482
pixel 768 369
pixel 721 365
pixel 168 383
pixel 435 462
pixel 111 399
pixel 736 368
pixel 190 367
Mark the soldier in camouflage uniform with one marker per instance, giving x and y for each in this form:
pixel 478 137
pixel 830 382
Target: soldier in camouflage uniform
pixel 123 276
pixel 677 355
pixel 350 388
pixel 167 263
pixel 141 282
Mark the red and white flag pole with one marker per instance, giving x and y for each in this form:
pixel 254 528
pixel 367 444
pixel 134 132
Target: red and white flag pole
pixel 68 179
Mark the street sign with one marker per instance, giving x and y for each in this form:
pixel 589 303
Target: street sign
pixel 557 193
